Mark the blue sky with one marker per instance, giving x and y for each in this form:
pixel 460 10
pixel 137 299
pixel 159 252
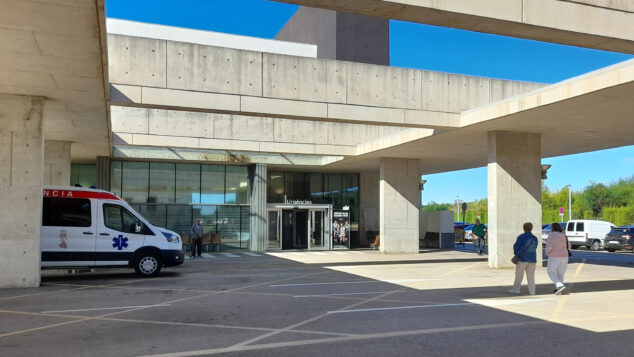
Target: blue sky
pixel 430 48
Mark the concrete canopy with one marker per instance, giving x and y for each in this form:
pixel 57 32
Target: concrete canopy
pixel 55 49
pixel 591 112
pixel 558 21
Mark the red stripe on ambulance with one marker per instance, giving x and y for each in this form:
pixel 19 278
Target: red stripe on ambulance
pixel 79 194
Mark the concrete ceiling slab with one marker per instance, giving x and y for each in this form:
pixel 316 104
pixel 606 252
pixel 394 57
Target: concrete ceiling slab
pixel 55 49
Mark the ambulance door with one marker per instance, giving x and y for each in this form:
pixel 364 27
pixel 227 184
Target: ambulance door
pixel 120 234
pixel 68 232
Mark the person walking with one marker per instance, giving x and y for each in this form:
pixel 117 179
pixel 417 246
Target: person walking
pixel 557 251
pixel 525 250
pixel 196 237
pixel 479 232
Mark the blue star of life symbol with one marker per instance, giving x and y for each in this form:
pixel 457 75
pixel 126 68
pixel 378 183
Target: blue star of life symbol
pixel 120 242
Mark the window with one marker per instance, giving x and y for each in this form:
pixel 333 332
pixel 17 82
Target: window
pixel 135 181
pixel 316 187
pixel 115 178
pixel 333 189
pixel 187 183
pixel 237 186
pixel 275 187
pixel 120 219
pixel 83 175
pixel 213 184
pixel 161 183
pixel 66 212
pixel 580 226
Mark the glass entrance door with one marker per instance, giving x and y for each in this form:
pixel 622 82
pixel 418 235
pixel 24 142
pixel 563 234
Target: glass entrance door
pixel 299 227
pixel 318 229
pixel 295 229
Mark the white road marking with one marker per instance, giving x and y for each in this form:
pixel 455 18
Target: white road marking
pixel 319 253
pixel 208 256
pixel 251 254
pixel 106 308
pixel 399 308
pixel 354 282
pixel 505 302
pixel 230 255
pixel 346 294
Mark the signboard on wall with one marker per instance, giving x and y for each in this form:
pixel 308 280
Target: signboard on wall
pixel 340 228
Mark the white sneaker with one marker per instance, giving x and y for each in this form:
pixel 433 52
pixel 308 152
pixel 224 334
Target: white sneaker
pixel 513 291
pixel 560 290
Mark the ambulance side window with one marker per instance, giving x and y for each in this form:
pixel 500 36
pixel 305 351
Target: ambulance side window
pixel 120 219
pixel 66 212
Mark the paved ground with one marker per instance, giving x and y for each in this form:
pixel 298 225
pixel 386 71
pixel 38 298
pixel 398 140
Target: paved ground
pixel 357 303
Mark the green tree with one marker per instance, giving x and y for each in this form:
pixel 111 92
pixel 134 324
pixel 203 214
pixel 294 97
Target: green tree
pixel 433 207
pixel 594 198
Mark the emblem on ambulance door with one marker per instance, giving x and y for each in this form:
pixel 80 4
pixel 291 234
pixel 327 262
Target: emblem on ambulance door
pixel 62 239
pixel 120 242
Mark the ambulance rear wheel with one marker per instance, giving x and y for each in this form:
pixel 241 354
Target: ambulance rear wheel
pixel 147 264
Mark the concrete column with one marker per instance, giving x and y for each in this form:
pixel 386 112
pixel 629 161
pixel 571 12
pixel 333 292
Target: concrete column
pixel 103 173
pixel 514 182
pixel 57 163
pixel 369 206
pixel 21 162
pixel 259 227
pixel 399 205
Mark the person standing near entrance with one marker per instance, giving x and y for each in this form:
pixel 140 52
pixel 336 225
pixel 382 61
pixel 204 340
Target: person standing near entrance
pixel 525 249
pixel 479 232
pixel 557 251
pixel 196 238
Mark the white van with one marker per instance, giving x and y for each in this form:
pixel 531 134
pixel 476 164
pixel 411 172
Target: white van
pixel 84 227
pixel 586 232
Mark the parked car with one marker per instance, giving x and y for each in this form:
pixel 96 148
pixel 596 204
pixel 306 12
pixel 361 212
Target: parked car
pixel 459 225
pixel 620 238
pixel 547 228
pixel 588 233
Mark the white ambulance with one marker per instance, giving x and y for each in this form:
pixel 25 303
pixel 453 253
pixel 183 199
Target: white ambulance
pixel 83 227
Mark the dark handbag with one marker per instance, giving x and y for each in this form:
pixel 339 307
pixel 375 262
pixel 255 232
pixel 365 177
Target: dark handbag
pixel 569 254
pixel 515 259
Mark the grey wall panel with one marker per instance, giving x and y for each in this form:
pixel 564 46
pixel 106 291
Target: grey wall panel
pixel 129 120
pixel 136 61
pixel 296 78
pixel 213 69
pixel 383 86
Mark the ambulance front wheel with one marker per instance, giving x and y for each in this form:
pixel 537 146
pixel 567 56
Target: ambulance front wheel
pixel 147 264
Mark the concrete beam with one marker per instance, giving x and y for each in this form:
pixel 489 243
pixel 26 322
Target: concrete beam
pixel 600 24
pixel 21 161
pixel 514 184
pixel 207 131
pixel 183 100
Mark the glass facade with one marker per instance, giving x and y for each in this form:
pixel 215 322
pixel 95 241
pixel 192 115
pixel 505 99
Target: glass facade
pixel 326 188
pixel 84 175
pixel 173 195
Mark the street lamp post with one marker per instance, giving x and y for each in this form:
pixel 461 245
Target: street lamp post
pixel 569 203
